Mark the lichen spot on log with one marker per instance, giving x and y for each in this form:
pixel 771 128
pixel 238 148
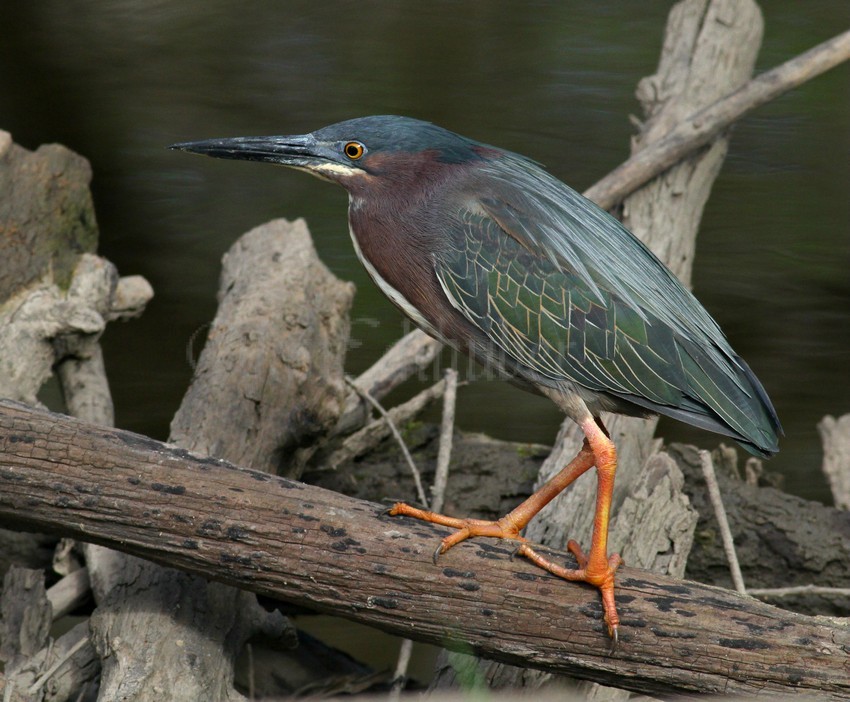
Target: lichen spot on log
pixel 384 602
pixel 744 644
pixel 333 531
pixel 454 573
pixel 169 489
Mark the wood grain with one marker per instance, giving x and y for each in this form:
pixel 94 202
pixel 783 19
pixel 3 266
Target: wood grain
pixel 344 556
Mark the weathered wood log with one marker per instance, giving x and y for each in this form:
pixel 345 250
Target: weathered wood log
pixel 268 381
pixel 782 539
pixel 46 214
pixel 703 126
pixel 55 294
pixel 339 555
pixel 57 297
pixel 835 437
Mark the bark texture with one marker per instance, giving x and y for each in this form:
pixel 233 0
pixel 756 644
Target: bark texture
pixel 339 555
pixel 46 214
pixel 835 436
pixel 269 380
pixel 57 298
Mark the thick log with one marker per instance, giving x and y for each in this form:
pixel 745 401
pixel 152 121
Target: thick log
pixel 46 214
pixel 340 555
pixel 835 437
pixel 269 380
pixel 37 668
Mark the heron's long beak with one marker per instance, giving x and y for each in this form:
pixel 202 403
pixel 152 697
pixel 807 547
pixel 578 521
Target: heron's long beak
pixel 301 151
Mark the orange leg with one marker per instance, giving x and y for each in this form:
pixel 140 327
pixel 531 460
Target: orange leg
pixel 509 526
pixel 596 568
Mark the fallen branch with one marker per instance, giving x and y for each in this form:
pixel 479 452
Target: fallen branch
pixel 720 515
pixel 696 131
pixel 409 355
pixel 779 592
pixel 344 556
pixel 367 438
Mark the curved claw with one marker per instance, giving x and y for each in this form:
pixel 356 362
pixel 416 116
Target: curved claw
pixel 600 576
pixel 613 632
pixel 437 552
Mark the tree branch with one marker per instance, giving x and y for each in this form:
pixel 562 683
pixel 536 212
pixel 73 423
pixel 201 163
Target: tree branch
pixel 344 556
pixel 700 128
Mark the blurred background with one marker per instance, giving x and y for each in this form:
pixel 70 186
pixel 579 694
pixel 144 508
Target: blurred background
pixel 118 81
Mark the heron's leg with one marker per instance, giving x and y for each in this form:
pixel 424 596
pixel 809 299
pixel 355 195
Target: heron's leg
pixel 509 526
pixel 596 568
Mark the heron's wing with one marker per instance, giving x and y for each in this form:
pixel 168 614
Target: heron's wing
pixel 567 292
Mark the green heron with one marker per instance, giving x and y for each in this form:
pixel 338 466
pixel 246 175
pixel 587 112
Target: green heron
pixel 488 252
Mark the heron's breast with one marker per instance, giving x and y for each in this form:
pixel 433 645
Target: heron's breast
pixel 402 266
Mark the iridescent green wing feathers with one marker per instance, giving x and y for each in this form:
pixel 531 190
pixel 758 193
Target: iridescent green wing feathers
pixel 568 293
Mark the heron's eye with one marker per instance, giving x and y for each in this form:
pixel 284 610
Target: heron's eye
pixel 354 150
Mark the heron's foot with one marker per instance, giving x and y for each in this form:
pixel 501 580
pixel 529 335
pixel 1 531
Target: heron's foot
pixel 598 572
pixel 503 528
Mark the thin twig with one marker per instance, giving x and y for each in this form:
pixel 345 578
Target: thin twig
pixel 409 355
pixel 441 476
pixel 400 675
pixel 36 686
pixel 368 437
pixel 769 592
pixel 420 491
pixel 249 649
pixel 438 493
pixel 723 522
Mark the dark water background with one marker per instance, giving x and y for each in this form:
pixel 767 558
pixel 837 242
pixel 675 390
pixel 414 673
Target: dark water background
pixel 117 81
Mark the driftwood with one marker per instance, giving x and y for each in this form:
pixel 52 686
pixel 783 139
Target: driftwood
pixel 366 439
pixel 268 380
pixel 339 555
pixel 835 436
pixel 706 124
pixel 57 299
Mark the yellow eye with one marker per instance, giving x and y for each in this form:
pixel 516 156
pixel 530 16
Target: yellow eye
pixel 354 150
